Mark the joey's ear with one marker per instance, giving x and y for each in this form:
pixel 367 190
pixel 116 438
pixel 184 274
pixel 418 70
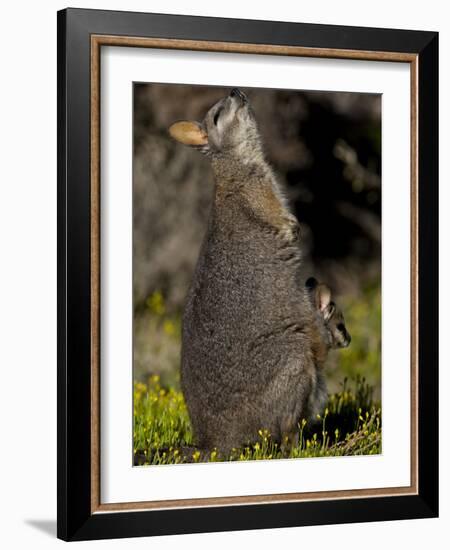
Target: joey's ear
pixel 189 133
pixel 311 283
pixel 323 298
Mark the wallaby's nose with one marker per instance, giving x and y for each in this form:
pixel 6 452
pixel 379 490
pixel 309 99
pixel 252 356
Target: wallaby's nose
pixel 236 92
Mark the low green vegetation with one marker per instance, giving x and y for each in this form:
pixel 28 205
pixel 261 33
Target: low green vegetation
pixel 362 313
pixel 350 425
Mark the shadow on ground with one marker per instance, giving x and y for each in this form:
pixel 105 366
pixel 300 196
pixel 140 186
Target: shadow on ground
pixel 47 526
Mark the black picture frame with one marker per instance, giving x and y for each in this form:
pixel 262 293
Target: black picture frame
pixel 75 518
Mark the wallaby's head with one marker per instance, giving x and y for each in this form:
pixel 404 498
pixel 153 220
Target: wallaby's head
pixel 229 128
pixel 320 296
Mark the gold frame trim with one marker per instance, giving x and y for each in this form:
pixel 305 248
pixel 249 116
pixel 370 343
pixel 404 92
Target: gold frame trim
pixel 97 41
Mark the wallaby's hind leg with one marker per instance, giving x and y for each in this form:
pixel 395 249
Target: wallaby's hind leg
pixel 289 433
pixel 288 395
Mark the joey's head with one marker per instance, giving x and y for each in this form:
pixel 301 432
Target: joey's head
pixel 229 129
pixel 329 313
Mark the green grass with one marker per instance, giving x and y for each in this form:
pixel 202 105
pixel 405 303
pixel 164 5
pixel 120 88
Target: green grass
pixel 350 425
pixel 362 313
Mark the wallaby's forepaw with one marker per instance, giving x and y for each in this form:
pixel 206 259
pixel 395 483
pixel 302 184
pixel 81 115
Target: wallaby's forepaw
pixel 291 228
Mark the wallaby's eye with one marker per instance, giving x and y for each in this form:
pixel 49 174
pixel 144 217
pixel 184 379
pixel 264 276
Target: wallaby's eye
pixel 341 327
pixel 216 117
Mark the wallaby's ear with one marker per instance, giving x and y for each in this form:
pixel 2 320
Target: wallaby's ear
pixel 323 298
pixel 189 133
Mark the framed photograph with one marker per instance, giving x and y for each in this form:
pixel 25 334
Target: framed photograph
pixel 247 256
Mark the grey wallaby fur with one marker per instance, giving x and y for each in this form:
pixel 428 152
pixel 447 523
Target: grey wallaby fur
pixel 255 337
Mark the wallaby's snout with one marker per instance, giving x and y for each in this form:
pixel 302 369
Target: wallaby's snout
pixel 346 339
pixel 237 93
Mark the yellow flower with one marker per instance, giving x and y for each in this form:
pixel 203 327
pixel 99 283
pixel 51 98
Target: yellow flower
pixel 155 302
pixel 169 327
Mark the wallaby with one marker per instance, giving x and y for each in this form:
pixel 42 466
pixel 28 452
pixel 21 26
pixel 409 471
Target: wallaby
pixel 334 333
pixel 250 330
pixel 329 332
